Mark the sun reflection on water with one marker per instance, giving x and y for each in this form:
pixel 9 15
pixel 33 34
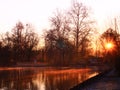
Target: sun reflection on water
pixel 39 82
pixel 43 79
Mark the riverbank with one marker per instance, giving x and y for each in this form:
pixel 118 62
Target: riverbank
pixel 46 64
pixel 101 67
pixel 108 80
pixel 31 64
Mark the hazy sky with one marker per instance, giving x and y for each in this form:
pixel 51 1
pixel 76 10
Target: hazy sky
pixel 38 12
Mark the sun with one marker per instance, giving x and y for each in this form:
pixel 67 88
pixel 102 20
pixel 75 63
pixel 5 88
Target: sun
pixel 109 45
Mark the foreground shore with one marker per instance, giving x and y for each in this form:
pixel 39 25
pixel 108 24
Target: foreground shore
pixel 108 80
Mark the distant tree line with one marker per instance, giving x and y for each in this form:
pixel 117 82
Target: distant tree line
pixel 69 38
pixel 111 55
pixel 18 45
pixel 67 41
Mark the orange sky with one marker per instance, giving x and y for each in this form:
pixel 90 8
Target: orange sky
pixel 38 12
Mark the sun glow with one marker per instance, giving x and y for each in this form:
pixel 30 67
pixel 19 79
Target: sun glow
pixel 109 45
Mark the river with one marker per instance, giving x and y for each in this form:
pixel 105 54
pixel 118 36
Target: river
pixel 41 78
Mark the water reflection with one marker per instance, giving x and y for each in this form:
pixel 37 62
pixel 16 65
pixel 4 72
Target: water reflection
pixel 42 79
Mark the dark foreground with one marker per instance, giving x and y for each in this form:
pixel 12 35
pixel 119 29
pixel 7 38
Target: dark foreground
pixel 108 80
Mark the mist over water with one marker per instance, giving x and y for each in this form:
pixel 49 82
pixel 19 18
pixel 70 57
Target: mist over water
pixel 42 78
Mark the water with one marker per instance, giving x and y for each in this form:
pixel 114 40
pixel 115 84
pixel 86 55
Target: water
pixel 42 78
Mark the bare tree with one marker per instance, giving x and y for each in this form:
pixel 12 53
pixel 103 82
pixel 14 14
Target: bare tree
pixel 22 41
pixel 16 39
pixel 59 28
pixel 111 37
pixel 80 24
pixel 5 49
pixel 56 39
pixel 30 40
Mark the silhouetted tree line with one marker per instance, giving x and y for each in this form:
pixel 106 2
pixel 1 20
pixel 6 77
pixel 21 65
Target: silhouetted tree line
pixel 18 45
pixel 68 40
pixel 112 55
pixel 69 37
pixel 110 36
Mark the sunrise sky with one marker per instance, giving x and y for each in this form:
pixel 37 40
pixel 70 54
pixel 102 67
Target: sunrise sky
pixel 38 12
